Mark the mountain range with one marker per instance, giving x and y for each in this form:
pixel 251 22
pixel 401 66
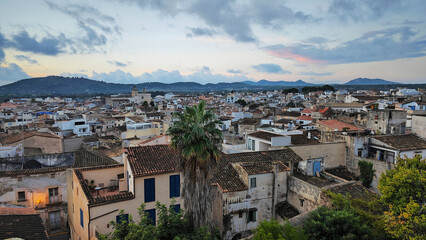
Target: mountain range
pixel 63 86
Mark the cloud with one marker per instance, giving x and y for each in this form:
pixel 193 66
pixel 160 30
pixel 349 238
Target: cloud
pixel 316 74
pixel 362 10
pixel 270 68
pixel 236 71
pixel 3 44
pixel 96 28
pixel 199 32
pixel 234 18
pixel 119 64
pixel 26 58
pixel 203 75
pixel 383 45
pixel 48 45
pixel 11 72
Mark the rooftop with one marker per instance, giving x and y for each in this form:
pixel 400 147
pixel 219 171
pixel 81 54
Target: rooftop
pixel 21 223
pixel 264 135
pixel 402 142
pixel 337 125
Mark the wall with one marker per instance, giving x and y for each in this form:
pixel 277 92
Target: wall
pixel 298 189
pixel 418 126
pixel 334 154
pixel 79 202
pixel 36 188
pixel 379 166
pixel 259 197
pixel 72 144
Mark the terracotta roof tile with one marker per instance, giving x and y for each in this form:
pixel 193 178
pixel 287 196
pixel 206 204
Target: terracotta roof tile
pixel 264 135
pixel 334 124
pixel 152 159
pixel 403 142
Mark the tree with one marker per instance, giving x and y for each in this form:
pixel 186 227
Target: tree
pixel 242 102
pixel 272 230
pixel 290 90
pixel 367 173
pixel 196 137
pixel 171 224
pixel 152 103
pixel 291 104
pixel 328 224
pixel 404 190
pixel 145 104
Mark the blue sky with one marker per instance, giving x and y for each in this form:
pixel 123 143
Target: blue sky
pixel 131 41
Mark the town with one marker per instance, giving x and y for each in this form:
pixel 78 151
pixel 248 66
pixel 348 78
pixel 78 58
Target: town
pixel 69 167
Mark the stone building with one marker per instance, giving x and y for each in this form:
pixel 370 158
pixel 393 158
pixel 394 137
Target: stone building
pixel 387 121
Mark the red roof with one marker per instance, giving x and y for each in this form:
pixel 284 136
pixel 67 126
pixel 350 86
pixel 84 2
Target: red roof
pixel 304 117
pixel 322 111
pixel 307 110
pixel 334 124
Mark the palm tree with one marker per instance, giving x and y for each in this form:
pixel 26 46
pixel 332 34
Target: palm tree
pixel 195 136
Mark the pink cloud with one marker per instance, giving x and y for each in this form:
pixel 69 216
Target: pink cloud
pixel 289 54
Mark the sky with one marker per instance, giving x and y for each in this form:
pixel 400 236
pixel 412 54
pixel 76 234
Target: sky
pixel 210 41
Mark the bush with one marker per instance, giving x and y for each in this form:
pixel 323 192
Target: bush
pixel 273 230
pixel 324 224
pixel 367 173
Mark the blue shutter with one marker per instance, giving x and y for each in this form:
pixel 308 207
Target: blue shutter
pixel 128 188
pixel 122 217
pixel 149 189
pixel 176 207
pixel 174 186
pixel 81 218
pixel 152 215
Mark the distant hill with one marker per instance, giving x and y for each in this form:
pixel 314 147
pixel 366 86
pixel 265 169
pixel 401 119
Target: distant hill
pixel 369 81
pixel 67 86
pixel 264 82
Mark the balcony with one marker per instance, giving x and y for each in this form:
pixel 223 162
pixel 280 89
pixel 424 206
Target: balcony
pixel 53 200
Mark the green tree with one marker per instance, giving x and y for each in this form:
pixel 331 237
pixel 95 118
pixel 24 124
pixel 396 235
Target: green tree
pixel 196 137
pixel 367 173
pixel 242 102
pixel 291 104
pixel 145 104
pixel 272 230
pixel 404 190
pixel 325 224
pixel 290 90
pixel 152 103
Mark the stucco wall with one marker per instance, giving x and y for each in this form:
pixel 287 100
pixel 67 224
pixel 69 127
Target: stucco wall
pixel 334 154
pixel 300 190
pixel 418 126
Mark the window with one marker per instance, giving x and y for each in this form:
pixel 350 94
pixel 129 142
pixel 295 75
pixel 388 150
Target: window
pixel 302 201
pixel 176 207
pixel 253 145
pixel 122 217
pixel 251 217
pixel 81 218
pixel 249 144
pixel 252 182
pixel 21 196
pixel 240 214
pixel 149 189
pixel 54 195
pixel 19 179
pixel 151 215
pixel 174 186
pixel 359 152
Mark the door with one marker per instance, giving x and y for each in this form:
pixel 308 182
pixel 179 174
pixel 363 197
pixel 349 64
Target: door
pixel 317 167
pixel 55 220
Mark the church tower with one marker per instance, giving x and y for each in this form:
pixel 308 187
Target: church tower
pixel 134 91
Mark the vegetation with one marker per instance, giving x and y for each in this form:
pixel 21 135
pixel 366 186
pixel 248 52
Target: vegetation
pixel 367 173
pixel 335 224
pixel 320 88
pixel 195 137
pixel 404 191
pixel 171 224
pixel 290 90
pixel 272 230
pixel 242 102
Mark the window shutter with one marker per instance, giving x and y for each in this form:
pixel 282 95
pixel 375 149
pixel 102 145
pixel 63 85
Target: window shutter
pixel 81 218
pixel 149 189
pixel 174 186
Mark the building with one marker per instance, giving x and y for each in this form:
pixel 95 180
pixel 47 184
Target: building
pixel 78 126
pixel 418 125
pixel 388 148
pixel 387 121
pixel 148 175
pixel 42 142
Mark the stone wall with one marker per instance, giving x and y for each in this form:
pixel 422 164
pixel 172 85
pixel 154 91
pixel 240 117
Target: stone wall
pixel 379 166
